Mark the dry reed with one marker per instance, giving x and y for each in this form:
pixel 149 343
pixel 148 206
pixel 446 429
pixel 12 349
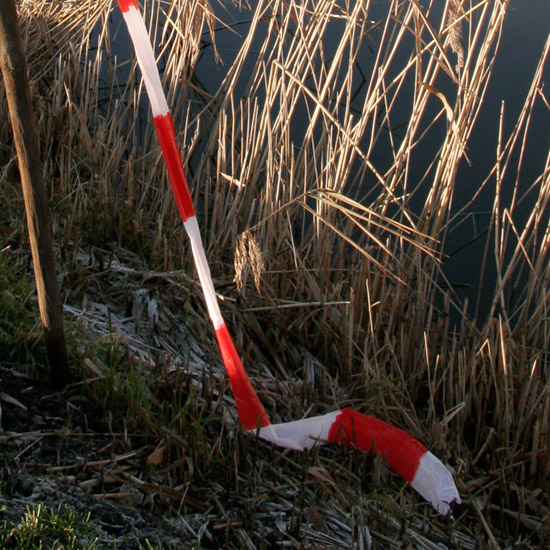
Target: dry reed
pixel 336 136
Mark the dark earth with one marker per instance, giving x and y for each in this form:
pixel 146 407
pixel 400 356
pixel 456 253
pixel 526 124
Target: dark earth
pixel 54 452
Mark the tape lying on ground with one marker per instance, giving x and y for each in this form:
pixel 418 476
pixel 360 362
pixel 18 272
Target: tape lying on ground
pixel 407 456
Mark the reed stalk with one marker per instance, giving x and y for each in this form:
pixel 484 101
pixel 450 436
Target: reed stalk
pixel 333 141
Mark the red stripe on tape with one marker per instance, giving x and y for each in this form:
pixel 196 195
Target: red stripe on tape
pixel 251 411
pixel 355 429
pixel 174 165
pixel 124 5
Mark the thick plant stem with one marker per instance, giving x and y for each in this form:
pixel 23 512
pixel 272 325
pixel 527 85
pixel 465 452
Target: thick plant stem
pixel 14 69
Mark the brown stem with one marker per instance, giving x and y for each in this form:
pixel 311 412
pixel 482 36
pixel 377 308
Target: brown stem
pixel 14 69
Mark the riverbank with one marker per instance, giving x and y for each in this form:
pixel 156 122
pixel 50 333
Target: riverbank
pixel 352 306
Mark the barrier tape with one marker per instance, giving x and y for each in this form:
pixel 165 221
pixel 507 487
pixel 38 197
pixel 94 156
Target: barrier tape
pixel 407 456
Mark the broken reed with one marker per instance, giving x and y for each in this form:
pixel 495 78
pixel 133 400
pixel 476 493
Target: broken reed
pixel 311 147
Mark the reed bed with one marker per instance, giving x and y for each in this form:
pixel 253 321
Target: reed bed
pixel 324 161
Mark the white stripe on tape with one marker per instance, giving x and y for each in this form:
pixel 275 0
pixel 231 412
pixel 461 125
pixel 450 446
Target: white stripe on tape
pixel 146 60
pixel 192 228
pixel 300 434
pixel 435 483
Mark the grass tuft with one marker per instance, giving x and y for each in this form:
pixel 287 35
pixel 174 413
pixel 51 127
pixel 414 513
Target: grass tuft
pixel 43 527
pixel 21 341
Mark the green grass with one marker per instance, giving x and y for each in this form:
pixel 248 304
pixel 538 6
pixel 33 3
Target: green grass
pixel 47 528
pixel 21 339
pixel 44 528
pixel 122 387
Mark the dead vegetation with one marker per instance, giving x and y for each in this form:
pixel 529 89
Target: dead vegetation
pixel 330 149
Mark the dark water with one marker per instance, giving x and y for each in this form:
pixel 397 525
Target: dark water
pixel 526 28
pixel 527 25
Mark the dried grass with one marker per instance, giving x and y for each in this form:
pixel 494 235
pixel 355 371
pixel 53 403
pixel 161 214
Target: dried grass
pixel 335 139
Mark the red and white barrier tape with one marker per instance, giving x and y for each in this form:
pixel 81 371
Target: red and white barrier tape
pixel 407 456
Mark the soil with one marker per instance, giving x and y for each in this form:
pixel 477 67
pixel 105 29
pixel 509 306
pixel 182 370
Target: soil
pixel 55 452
